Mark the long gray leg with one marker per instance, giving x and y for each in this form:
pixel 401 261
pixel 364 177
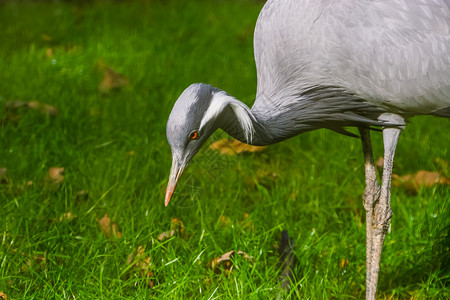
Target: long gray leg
pixel 370 198
pixel 378 208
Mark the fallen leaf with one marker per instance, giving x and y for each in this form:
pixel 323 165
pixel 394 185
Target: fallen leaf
pixel 165 235
pixel 233 147
pixel 46 109
pixel 11 111
pixel 110 230
pixel 43 108
pixel 3 296
pixel 15 104
pixel 413 182
pixel 3 179
pixel 53 179
pixel 176 226
pixel 49 52
pixel 81 196
pixel 56 174
pixel 380 162
pixel 112 80
pixel 225 261
pixel 344 263
pixel 141 262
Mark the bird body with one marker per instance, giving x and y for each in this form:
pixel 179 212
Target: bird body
pixel 394 54
pixel 331 64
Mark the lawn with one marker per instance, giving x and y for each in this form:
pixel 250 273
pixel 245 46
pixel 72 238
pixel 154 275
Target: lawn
pixel 58 110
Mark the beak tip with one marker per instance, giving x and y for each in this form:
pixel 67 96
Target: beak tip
pixel 168 196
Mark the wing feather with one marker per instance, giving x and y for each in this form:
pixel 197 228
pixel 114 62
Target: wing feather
pixel 393 53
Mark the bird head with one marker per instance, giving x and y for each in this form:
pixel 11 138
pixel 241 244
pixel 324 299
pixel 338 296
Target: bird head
pixel 190 123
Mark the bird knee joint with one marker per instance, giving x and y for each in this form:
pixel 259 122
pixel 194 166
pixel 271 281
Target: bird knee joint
pixel 371 197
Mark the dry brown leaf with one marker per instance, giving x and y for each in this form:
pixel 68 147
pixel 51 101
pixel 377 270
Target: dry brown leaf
pixel 380 162
pixel 176 226
pixel 233 147
pixel 141 262
pixel 46 109
pixel 49 52
pixel 53 179
pixel 15 104
pixel 112 80
pixel 110 230
pixel 165 235
pixel 10 111
pixel 56 174
pixel 413 182
pixel 3 179
pixel 43 108
pixel 225 262
pixel 81 196
pixel 3 296
pixel 344 263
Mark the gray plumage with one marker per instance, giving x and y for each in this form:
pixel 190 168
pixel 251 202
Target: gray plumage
pixel 394 54
pixel 331 64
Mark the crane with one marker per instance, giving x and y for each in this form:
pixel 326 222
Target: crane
pixel 331 64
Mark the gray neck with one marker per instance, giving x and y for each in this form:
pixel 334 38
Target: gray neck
pixel 236 119
pixel 283 116
pixel 250 126
pixel 260 137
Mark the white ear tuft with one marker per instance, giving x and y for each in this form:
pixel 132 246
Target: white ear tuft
pixel 244 117
pixel 218 103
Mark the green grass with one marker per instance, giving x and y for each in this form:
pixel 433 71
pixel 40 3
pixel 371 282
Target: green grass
pixel 310 185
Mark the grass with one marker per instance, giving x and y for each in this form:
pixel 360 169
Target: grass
pixel 113 147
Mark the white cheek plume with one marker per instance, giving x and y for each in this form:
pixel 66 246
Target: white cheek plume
pixel 243 115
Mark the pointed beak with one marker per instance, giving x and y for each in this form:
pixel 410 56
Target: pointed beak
pixel 175 174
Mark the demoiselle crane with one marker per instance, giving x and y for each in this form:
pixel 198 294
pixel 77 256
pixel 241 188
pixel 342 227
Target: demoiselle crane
pixel 331 64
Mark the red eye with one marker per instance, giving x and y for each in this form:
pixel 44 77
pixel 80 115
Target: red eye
pixel 193 135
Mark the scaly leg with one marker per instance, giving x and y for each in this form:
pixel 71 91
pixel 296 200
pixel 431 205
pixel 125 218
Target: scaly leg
pixel 380 209
pixel 370 197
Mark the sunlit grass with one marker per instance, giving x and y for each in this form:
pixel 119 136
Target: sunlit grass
pixel 113 147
